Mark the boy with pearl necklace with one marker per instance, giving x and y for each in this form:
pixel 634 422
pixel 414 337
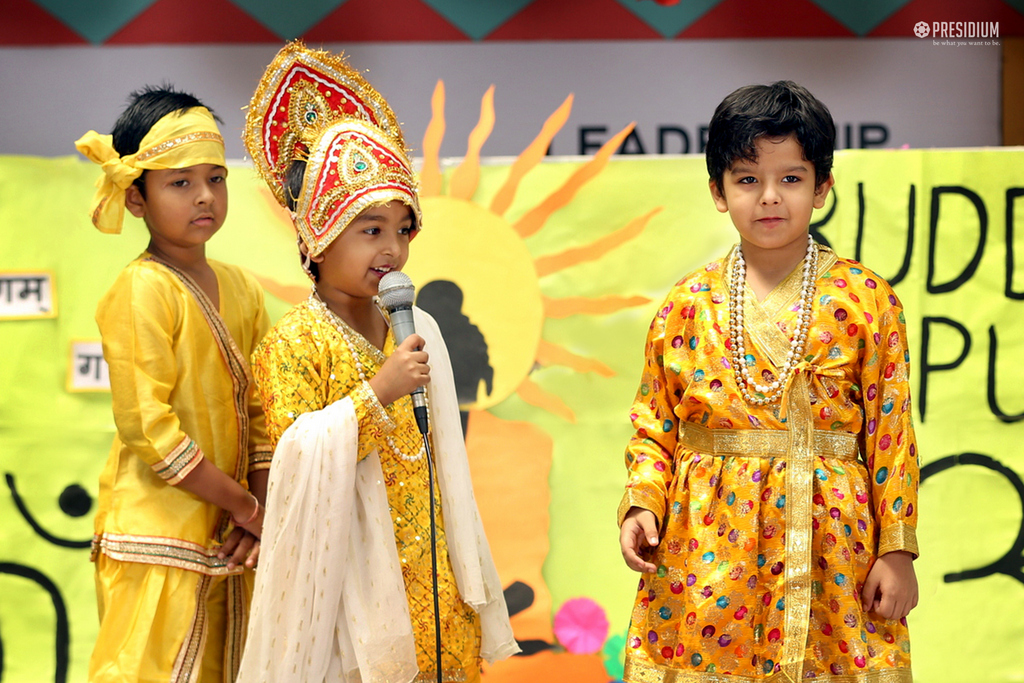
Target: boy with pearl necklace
pixel 773 473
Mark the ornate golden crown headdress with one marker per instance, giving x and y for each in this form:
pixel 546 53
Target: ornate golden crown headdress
pixel 312 106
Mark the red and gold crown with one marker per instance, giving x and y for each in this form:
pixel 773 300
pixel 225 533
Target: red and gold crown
pixel 312 106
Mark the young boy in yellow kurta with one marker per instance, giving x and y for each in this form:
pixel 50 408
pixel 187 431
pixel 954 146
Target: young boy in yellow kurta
pixel 772 493
pixel 191 442
pixel 345 589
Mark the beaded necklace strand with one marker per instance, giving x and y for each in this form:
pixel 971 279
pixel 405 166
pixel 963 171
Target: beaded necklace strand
pixel 348 334
pixel 772 392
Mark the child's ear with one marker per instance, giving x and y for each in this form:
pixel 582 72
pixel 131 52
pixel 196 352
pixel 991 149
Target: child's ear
pixel 304 250
pixel 134 201
pixel 717 195
pixel 821 191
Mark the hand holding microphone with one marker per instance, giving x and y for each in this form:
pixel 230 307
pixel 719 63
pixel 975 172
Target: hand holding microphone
pixel 406 371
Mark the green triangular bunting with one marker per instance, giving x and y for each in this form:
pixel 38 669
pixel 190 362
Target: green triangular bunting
pixel 95 20
pixel 864 15
pixel 289 19
pixel 669 20
pixel 477 18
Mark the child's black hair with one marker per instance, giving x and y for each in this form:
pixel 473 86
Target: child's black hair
pixel 293 178
pixel 775 110
pixel 146 106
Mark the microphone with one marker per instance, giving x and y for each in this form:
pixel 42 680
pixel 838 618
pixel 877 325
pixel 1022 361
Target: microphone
pixel 396 294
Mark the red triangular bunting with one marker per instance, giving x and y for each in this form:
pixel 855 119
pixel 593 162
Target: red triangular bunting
pixel 361 21
pixel 25 23
pixel 178 21
pixel 574 20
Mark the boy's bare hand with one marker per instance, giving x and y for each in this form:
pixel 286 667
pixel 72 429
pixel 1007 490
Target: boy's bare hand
pixel 406 369
pixel 890 590
pixel 639 529
pixel 240 546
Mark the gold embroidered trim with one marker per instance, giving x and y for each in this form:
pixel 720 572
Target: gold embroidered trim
pixel 260 458
pixel 798 514
pixel 237 625
pixel 764 443
pixel 177 464
pixel 195 642
pixel 379 417
pixel 641 499
pixel 784 296
pixel 160 550
pixel 316 303
pixel 899 536
pixel 238 370
pixel 174 142
pixel 643 672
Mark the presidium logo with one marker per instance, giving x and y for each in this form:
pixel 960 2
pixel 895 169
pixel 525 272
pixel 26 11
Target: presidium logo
pixel 968 30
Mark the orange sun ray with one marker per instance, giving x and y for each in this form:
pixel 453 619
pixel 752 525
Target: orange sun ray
pixel 546 265
pixel 465 178
pixel 282 215
pixel 530 157
pixel 552 354
pixel 532 393
pixel 430 174
pixel 290 294
pixel 536 217
pixel 573 305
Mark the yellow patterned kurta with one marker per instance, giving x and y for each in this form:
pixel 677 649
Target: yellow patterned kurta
pixel 304 364
pixel 769 519
pixel 181 391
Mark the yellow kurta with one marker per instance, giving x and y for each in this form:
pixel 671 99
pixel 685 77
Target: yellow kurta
pixel 181 391
pixel 305 364
pixel 769 519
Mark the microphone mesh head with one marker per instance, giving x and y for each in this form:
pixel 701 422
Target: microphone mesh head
pixel 396 290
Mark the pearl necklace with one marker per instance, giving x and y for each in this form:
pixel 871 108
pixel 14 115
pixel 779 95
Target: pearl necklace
pixel 769 393
pixel 346 334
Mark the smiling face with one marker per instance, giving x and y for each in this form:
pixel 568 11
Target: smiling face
pixel 374 243
pixel 182 207
pixel 770 199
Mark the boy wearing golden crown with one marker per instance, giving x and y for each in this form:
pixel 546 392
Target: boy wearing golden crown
pixel 344 590
pixel 191 445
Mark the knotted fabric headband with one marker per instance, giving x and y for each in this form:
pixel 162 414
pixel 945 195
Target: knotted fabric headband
pixel 180 139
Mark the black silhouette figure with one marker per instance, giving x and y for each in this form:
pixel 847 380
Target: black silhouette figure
pixel 471 365
pixel 467 347
pixel 74 501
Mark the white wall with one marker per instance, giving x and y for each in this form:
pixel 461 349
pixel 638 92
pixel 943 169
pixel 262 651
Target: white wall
pixel 925 94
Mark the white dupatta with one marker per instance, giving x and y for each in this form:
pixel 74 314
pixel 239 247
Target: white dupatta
pixel 329 601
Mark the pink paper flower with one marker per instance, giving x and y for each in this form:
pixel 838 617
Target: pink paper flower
pixel 581 626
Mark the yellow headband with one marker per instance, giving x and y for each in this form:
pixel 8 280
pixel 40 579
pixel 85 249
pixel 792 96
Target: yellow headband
pixel 178 140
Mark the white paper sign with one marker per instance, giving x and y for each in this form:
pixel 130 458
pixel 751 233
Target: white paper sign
pixel 27 294
pixel 87 370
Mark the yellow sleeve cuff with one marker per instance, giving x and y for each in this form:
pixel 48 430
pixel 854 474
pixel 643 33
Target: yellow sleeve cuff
pixel 177 464
pixel 899 536
pixel 641 499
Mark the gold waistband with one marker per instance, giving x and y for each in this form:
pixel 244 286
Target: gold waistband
pixel 763 443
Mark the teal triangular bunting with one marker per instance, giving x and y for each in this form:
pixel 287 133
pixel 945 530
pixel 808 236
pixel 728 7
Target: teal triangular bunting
pixel 1016 4
pixel 861 16
pixel 477 18
pixel 289 19
pixel 669 20
pixel 95 20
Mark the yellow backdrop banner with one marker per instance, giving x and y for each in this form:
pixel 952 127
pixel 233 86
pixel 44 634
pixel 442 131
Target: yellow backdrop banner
pixel 547 276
